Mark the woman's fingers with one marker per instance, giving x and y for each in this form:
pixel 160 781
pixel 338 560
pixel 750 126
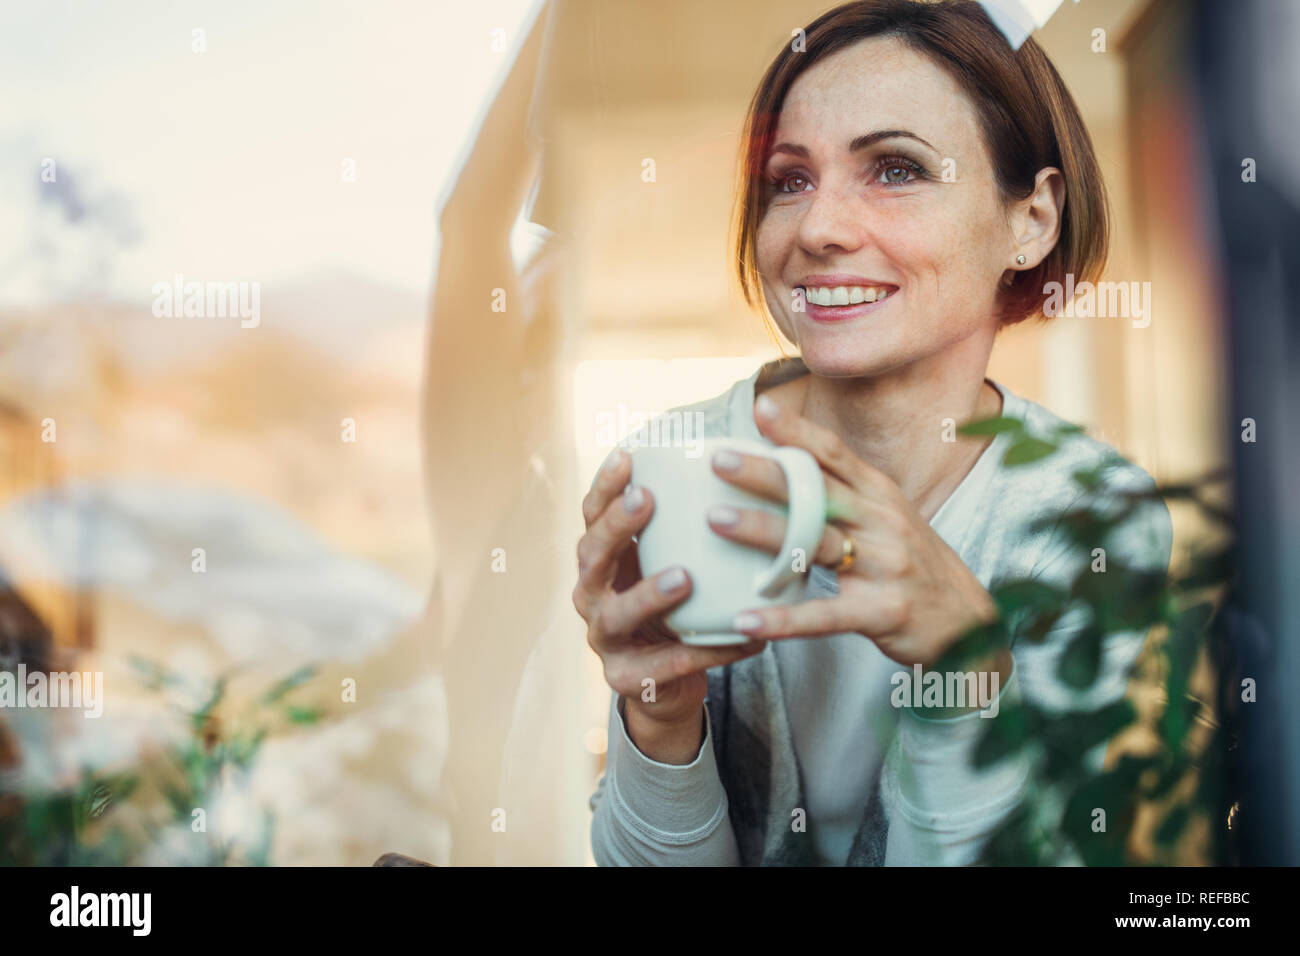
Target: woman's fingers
pixel 754 473
pixel 670 662
pixel 624 626
pixel 622 620
pixel 608 536
pixel 608 484
pixel 760 529
pixel 836 458
pixel 872 608
pixel 628 672
pixel 765 478
pixel 876 554
pixel 620 615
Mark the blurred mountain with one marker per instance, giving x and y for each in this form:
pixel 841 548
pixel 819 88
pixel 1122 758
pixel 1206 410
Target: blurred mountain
pixel 270 584
pixel 344 301
pixel 359 326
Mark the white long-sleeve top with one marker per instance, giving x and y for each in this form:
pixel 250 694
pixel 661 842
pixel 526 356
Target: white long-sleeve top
pixel 847 736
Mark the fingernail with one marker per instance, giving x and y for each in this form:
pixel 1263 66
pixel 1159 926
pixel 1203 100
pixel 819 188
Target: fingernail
pixel 633 499
pixel 726 460
pixel 671 580
pixel 724 515
pixel 766 407
pixel 746 621
pixel 614 460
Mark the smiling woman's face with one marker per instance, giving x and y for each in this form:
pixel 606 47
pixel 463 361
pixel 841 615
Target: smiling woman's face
pixel 878 213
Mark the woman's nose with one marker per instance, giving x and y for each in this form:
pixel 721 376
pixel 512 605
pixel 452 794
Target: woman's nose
pixel 834 221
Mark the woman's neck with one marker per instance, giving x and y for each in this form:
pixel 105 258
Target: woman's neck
pixel 896 422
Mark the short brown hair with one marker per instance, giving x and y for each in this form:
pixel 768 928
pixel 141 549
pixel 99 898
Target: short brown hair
pixel 1027 117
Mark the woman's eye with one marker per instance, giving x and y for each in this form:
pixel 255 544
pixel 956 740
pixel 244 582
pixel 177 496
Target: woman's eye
pixel 897 172
pixel 784 182
pixel 890 171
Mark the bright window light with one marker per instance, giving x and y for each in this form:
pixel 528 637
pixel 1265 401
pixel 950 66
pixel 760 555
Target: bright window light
pixel 613 397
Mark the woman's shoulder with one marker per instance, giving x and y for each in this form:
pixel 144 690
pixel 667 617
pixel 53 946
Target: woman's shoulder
pixel 1054 467
pixel 706 418
pixel 712 417
pixel 685 424
pixel 1060 457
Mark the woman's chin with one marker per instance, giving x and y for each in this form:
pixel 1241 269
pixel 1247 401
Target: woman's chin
pixel 835 361
pixel 852 350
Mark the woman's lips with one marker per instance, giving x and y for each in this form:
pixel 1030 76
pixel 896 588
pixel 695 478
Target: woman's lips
pixel 843 313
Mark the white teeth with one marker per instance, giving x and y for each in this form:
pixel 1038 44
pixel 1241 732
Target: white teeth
pixel 844 295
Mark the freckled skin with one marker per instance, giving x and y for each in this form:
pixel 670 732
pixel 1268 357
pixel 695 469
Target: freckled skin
pixel 944 244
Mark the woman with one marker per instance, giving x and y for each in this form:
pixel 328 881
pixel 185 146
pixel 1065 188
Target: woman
pixel 909 185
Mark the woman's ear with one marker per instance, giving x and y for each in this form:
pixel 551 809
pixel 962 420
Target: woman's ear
pixel 1036 221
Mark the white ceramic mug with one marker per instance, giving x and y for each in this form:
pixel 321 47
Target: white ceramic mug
pixel 727 577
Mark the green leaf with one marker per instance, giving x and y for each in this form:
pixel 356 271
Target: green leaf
pixel 296 679
pixel 1112 793
pixel 974 644
pixel 1082 659
pixel 1178 719
pixel 1017 841
pixel 1004 735
pixel 180 800
pixel 1181 651
pixel 991 426
pixel 1089 479
pixel 1076 732
pixel 154 676
pixel 200 717
pixel 302 715
pixel 1027 593
pixel 1209 570
pixel 101 799
pixel 1029 606
pixel 241 749
pixel 1122 598
pixel 1027 450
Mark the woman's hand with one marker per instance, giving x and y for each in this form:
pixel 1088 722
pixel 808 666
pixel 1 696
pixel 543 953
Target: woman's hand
pixel 661 679
pixel 906 589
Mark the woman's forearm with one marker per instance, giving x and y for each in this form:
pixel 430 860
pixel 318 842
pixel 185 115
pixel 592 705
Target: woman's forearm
pixel 647 812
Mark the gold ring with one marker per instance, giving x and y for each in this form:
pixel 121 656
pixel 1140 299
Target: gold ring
pixel 850 554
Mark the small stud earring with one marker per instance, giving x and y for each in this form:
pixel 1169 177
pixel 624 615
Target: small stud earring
pixel 1020 260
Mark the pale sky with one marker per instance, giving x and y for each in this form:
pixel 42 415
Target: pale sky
pixel 230 160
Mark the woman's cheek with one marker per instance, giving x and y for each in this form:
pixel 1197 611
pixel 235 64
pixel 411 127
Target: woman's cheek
pixel 769 250
pixel 770 243
pixel 780 309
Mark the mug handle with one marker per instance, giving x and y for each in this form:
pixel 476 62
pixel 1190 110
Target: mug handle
pixel 805 519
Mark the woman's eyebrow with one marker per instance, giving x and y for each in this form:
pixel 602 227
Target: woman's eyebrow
pixel 862 142
pixel 870 139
